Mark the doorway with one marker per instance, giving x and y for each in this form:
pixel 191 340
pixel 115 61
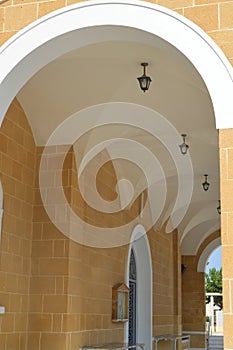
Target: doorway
pixel 139 267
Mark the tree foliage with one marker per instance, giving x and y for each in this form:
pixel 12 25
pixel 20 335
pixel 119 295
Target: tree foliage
pixel 213 283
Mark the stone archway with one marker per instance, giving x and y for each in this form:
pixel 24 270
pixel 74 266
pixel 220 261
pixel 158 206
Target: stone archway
pixel 61 31
pixel 206 253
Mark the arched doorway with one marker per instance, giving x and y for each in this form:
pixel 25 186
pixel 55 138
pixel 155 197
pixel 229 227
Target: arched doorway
pixel 214 308
pixel 195 271
pixel 141 316
pixel 213 289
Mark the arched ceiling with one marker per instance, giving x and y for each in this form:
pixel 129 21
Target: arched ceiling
pixel 106 72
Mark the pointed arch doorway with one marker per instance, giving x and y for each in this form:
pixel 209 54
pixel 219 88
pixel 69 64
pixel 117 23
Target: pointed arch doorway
pixel 139 278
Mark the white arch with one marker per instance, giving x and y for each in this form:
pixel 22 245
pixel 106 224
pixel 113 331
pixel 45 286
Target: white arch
pixel 206 253
pixel 203 215
pixel 140 244
pixel 58 32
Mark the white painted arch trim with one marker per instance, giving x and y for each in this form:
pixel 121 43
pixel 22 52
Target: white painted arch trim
pixel 206 253
pixel 46 39
pixel 140 245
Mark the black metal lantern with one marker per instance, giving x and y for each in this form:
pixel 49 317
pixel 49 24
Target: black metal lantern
pixel 144 80
pixel 219 207
pixel 183 268
pixel 184 147
pixel 205 184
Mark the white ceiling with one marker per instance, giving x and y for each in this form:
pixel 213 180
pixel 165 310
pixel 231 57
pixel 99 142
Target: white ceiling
pixel 106 72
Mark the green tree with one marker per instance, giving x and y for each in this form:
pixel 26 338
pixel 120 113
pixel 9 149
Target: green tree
pixel 213 284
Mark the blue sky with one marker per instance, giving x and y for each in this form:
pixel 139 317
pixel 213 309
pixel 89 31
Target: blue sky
pixel 215 259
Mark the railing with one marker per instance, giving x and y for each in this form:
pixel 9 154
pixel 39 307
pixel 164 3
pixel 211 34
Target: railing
pixel 206 333
pixel 185 338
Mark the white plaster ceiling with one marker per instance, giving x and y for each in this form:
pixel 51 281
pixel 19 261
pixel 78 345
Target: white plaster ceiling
pixel 106 72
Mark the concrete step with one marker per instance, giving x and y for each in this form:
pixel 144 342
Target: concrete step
pixel 215 342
